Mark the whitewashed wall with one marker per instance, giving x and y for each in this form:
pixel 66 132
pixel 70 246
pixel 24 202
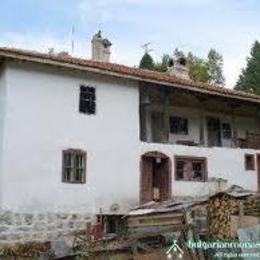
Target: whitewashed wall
pixel 42 119
pixel 2 116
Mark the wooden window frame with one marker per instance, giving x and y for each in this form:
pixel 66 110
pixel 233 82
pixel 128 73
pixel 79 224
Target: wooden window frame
pixel 87 99
pixel 190 160
pixel 73 153
pixel 249 167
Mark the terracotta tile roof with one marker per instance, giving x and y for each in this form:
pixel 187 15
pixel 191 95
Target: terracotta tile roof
pixel 124 71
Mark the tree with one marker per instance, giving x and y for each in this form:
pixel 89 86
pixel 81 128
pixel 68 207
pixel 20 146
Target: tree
pixel 162 66
pixel 249 80
pixel 198 70
pixel 202 70
pixel 147 62
pixel 178 54
pixel 215 67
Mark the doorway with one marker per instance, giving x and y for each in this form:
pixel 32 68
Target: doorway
pixel 155 183
pixel 158 127
pixel 214 131
pixel 258 171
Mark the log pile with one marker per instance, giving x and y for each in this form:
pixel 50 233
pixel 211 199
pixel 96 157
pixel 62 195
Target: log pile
pixel 252 206
pixel 29 249
pixel 220 209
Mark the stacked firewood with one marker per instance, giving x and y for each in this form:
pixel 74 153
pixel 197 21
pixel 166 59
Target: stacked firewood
pixel 29 249
pixel 220 209
pixel 252 206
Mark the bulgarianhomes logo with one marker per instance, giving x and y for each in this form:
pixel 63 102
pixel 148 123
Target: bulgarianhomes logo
pixel 174 250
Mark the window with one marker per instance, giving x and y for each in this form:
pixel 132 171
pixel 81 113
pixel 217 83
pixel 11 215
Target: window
pixel 250 162
pixel 178 125
pixel 74 166
pixel 226 131
pixel 190 169
pixel 87 102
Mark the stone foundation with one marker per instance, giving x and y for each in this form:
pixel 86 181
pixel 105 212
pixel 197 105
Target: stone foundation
pixel 21 227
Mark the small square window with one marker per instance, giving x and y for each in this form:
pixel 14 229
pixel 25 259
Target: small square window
pixel 178 125
pixel 87 100
pixel 74 166
pixel 250 162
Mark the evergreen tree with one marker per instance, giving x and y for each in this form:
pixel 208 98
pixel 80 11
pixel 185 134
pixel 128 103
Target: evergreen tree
pixel 147 62
pixel 249 80
pixel 215 67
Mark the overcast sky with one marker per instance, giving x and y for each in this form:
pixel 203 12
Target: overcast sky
pixel 229 26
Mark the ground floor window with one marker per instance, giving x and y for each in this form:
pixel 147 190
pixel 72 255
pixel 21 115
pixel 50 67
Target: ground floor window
pixel 190 168
pixel 74 166
pixel 250 162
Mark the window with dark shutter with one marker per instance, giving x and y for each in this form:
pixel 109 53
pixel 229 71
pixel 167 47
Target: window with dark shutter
pixel 178 125
pixel 74 166
pixel 87 100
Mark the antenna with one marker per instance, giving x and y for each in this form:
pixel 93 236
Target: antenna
pixel 72 39
pixel 146 47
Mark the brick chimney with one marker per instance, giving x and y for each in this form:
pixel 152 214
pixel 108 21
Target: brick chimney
pixel 100 48
pixel 179 68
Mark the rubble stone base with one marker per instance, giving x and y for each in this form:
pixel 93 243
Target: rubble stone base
pixel 21 227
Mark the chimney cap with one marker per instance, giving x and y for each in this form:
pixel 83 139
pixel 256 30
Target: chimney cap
pixel 105 41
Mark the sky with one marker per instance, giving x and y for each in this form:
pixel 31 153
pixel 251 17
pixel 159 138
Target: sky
pixel 229 26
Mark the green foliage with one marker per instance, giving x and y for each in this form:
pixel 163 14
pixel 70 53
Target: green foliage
pixel 198 69
pixel 163 65
pixel 249 80
pixel 215 67
pixel 147 62
pixel 202 70
pixel 199 72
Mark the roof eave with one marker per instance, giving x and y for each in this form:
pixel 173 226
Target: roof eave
pixel 64 64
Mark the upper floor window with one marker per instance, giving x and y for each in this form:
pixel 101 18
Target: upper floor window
pixel 74 166
pixel 87 100
pixel 190 169
pixel 226 131
pixel 178 125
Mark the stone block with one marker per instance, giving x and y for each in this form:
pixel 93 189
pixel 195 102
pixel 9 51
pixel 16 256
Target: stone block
pixel 6 218
pixel 28 219
pixel 39 226
pixel 62 216
pixel 4 228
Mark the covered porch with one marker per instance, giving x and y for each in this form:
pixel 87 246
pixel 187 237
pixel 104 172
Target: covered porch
pixel 179 116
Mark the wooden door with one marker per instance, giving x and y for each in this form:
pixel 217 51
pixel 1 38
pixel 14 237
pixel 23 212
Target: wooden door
pixel 214 131
pixel 155 174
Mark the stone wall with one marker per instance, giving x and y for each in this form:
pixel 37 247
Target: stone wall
pixel 21 227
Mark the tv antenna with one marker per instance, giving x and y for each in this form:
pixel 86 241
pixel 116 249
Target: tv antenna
pixel 146 48
pixel 72 39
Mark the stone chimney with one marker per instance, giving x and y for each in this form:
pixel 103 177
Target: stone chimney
pixel 179 68
pixel 100 48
